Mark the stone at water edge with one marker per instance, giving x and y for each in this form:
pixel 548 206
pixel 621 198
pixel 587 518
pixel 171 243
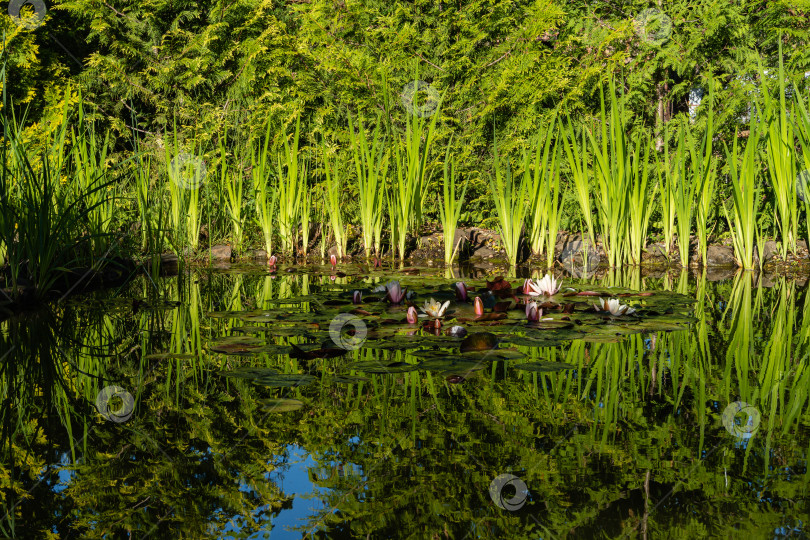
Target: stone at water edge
pixel 221 253
pixel 720 256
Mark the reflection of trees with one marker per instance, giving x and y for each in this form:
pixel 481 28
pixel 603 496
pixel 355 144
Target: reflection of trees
pixel 628 442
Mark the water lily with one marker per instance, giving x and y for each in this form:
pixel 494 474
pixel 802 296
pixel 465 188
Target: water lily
pixel 547 286
pixel 357 297
pixel 461 291
pixel 478 305
pixel 272 260
pixel 412 317
pixel 333 260
pixel 396 294
pixel 616 308
pixel 533 313
pixel 434 308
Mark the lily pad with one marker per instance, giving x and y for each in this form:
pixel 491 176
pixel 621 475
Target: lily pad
pixel 281 405
pixel 284 380
pixel 545 367
pixel 250 372
pixel 373 366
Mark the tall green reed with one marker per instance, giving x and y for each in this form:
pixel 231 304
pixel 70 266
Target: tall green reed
pixel 333 200
pixel 450 208
pixel 231 185
pixel 371 161
pixel 742 220
pixel 612 170
pixel 265 196
pixel 703 167
pixel 543 181
pixel 409 187
pixel 186 173
pixel 291 172
pixel 780 151
pixel 509 197
pixel 90 169
pixel 578 165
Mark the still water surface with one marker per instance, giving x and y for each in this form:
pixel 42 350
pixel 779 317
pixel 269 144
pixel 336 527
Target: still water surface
pixel 231 404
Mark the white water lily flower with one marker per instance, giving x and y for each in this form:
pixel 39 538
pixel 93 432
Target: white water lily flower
pixel 547 286
pixel 435 309
pixel 616 308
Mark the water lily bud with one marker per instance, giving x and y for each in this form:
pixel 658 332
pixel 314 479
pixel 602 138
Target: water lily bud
pixel 411 316
pixel 333 260
pixel 272 260
pixel 478 305
pixel 357 297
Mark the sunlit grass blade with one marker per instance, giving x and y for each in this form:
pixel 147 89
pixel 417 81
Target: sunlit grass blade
pixel 371 163
pixel 509 198
pixel 265 196
pixel 543 181
pixel 450 207
pixel 333 200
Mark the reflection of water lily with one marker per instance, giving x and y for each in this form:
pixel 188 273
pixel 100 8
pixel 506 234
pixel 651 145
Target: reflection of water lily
pixel 616 308
pixel 357 297
pixel 395 294
pixel 434 308
pixel 411 316
pixel 478 305
pixel 548 286
pixel 533 313
pixel 461 291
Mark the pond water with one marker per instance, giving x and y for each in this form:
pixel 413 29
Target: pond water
pixel 244 403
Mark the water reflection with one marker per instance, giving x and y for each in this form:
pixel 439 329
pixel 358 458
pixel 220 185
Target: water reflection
pixel 631 441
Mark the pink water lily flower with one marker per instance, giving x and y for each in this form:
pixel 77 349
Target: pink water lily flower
pixel 461 291
pixel 533 313
pixel 478 305
pixel 396 294
pixel 357 297
pixel 547 286
pixel 412 316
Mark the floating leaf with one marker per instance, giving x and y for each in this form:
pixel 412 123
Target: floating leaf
pixel 280 405
pixel 372 366
pixel 479 342
pixel 284 380
pixel 545 367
